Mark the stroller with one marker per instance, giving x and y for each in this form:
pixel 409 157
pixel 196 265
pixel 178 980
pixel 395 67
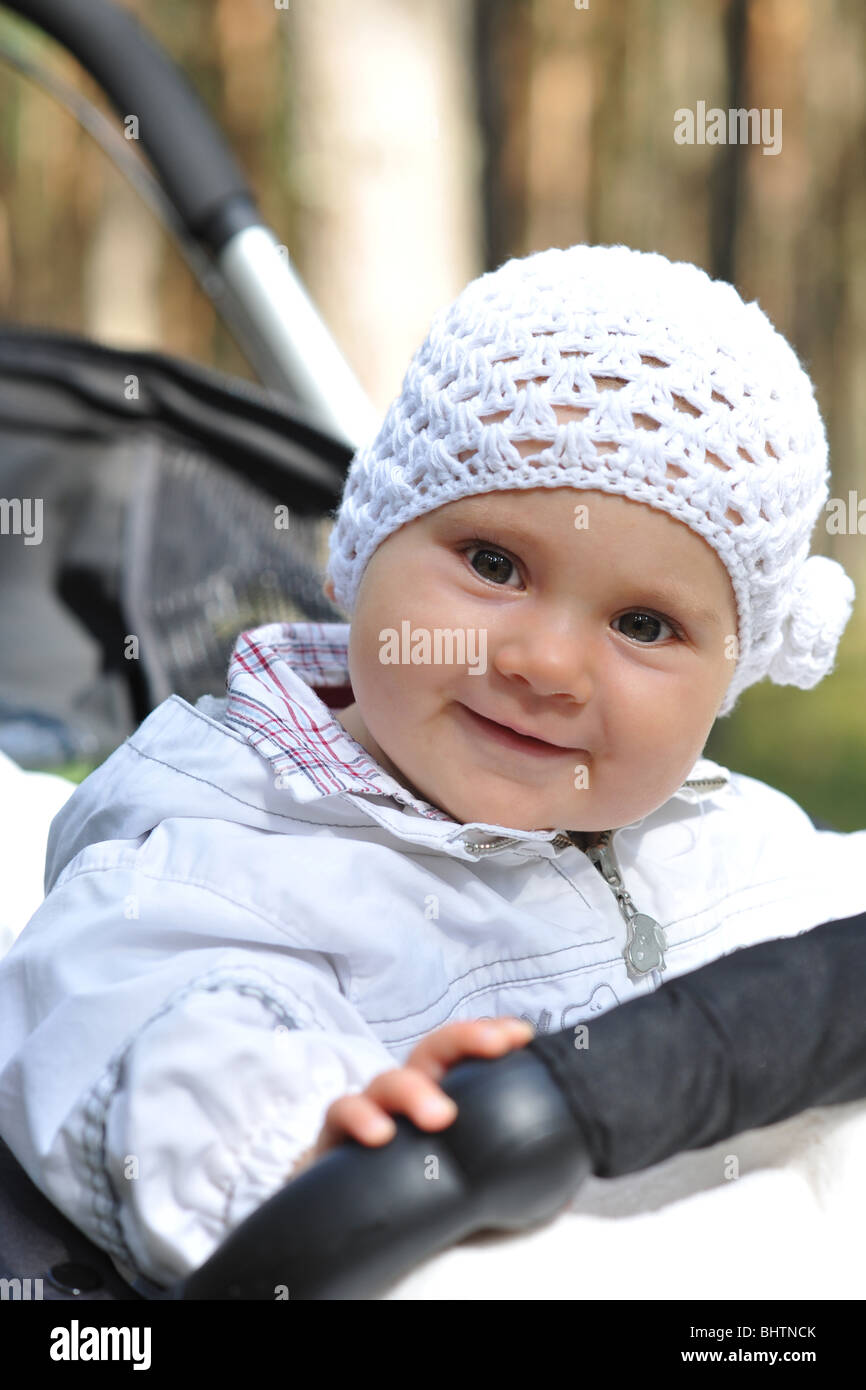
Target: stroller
pixel 169 469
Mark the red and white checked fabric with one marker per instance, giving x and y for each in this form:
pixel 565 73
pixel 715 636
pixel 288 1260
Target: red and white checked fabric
pixel 283 680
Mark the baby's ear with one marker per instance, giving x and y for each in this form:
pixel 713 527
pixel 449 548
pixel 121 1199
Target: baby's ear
pixel 328 589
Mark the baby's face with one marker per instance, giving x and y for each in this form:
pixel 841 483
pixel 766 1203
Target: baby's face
pixel 595 623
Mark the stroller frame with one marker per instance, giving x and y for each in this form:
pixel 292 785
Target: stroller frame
pixel 239 259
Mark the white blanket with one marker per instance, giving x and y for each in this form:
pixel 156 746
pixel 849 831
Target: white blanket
pixel 775 1213
pixel 792 1225
pixel 29 801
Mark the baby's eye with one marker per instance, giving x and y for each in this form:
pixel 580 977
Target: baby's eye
pixel 496 566
pixel 490 563
pixel 646 624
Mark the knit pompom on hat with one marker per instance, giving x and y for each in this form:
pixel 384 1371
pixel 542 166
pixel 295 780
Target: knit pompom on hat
pixel 687 399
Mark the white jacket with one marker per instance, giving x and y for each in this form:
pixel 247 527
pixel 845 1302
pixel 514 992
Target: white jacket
pixel 246 918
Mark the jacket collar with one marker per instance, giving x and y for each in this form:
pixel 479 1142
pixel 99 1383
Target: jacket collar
pixel 284 679
pixel 282 682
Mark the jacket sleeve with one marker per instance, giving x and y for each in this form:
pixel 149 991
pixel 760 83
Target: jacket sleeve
pixel 166 1058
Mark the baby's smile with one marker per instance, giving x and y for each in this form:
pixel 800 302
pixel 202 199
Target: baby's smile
pixel 507 735
pixel 607 657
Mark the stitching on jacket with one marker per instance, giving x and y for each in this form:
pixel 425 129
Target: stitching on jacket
pixel 500 984
pixel 251 805
pixel 206 719
pixel 410 1038
pixel 106 1204
pixel 303 944
pixel 69 874
pixel 719 925
pixel 715 906
pixel 557 868
pixel 738 912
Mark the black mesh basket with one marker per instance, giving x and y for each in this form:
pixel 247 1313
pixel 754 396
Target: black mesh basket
pixel 175 507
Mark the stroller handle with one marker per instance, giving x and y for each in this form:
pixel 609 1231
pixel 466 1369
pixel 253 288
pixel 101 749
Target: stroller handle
pixel 259 293
pixel 361 1217
pixel 198 171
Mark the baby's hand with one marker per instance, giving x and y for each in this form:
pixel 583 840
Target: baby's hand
pixel 411 1090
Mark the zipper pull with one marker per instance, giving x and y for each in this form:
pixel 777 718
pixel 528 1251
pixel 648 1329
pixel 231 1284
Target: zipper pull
pixel 645 942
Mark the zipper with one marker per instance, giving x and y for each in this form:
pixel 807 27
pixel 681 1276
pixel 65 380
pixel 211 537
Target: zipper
pixel 478 846
pixel 645 939
pixel 645 944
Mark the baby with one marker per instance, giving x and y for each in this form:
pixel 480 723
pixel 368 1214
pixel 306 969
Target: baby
pixel 479 810
pixel 579 723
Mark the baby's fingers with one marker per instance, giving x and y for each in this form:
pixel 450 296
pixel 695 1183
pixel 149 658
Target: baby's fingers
pixel 357 1117
pixel 476 1037
pixel 367 1117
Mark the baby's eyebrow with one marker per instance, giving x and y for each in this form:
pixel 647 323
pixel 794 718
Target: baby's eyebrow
pixel 684 601
pixel 521 535
pixel 479 520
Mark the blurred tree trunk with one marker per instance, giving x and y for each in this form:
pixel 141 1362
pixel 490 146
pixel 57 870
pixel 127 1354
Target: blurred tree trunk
pixel 502 53
pixel 728 173
pixel 384 171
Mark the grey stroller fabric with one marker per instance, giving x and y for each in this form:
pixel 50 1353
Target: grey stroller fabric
pixel 176 507
pixel 51 1258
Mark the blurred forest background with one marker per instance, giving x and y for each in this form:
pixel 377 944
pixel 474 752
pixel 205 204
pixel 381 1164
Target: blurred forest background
pixel 400 147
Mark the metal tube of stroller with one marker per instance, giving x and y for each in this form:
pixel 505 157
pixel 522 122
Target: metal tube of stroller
pixel 287 339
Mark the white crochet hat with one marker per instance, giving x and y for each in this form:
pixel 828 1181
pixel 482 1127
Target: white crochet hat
pixel 692 403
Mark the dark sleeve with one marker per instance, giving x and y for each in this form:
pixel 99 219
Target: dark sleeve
pixel 748 1040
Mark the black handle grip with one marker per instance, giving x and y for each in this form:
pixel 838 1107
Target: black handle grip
pixel 185 146
pixel 361 1217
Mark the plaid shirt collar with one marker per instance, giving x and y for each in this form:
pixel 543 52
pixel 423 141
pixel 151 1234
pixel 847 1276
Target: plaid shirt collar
pixel 282 682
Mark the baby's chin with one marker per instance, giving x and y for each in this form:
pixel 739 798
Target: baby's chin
pixel 511 816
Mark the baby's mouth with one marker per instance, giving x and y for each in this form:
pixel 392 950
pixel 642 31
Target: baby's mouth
pixel 509 738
